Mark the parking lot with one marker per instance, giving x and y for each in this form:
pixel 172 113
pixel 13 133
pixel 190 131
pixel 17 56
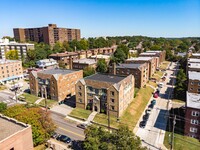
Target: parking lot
pixel 6 97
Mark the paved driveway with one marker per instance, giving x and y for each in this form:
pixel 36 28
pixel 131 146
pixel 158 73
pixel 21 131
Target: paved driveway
pixel 62 109
pixel 6 97
pixel 153 134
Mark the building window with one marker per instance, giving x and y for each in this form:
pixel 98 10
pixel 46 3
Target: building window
pixel 112 93
pixel 80 94
pixel 192 83
pixel 198 90
pixel 113 107
pixel 80 100
pixel 191 88
pixel 12 148
pixel 199 84
pixel 112 100
pixel 194 130
pixel 195 113
pixel 193 121
pixel 79 87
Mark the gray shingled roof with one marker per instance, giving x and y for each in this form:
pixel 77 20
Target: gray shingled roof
pixel 57 71
pixel 132 65
pixel 105 78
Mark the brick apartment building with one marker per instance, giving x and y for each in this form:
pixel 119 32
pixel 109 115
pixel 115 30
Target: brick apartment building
pixel 140 60
pixel 49 34
pixel 159 55
pixel 60 83
pixel 105 92
pixel 15 135
pixel 83 63
pixel 67 58
pixel 101 56
pixel 139 71
pixel 10 70
pixel 22 48
pixel 192 115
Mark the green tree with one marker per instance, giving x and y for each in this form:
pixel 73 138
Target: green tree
pixel 40 121
pixel 102 66
pixel 58 47
pixel 12 55
pixel 121 54
pixel 87 71
pixel 3 106
pixel 66 46
pixel 100 139
pixel 84 44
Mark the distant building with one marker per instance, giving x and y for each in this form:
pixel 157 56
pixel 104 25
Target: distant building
pixel 160 54
pixel 181 54
pixel 103 93
pixel 49 34
pixel 47 63
pixel 101 56
pixel 15 135
pixel 139 71
pixel 83 63
pixel 60 83
pixel 10 70
pixel 140 60
pixel 21 48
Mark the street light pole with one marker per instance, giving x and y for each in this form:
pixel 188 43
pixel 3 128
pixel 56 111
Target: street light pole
pixel 44 88
pixel 108 111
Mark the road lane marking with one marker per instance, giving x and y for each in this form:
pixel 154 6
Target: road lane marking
pixel 72 132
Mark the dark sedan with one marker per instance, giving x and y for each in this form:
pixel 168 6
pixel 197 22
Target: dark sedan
pixel 64 138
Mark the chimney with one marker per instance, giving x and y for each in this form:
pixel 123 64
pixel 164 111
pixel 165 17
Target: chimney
pixel 114 68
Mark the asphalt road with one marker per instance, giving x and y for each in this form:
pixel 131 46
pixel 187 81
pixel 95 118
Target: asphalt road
pixel 153 134
pixel 67 128
pixel 6 97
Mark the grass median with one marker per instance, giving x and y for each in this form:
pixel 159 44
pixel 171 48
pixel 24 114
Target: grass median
pixel 30 98
pixel 50 103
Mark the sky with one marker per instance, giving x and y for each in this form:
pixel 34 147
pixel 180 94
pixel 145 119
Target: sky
pixel 154 18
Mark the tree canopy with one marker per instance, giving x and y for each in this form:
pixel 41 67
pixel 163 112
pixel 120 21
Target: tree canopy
pixel 87 71
pixel 100 139
pixel 102 66
pixel 12 55
pixel 40 121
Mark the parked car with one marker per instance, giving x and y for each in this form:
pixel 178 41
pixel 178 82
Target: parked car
pixel 151 106
pixel 153 102
pixel 148 111
pixel 63 138
pixel 160 85
pixel 143 124
pixel 82 126
pixel 155 95
pixel 55 135
pixel 146 116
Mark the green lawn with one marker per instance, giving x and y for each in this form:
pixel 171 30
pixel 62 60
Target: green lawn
pixel 103 119
pixel 182 142
pixel 40 147
pixel 30 98
pixel 50 102
pixel 164 65
pixel 80 113
pixel 136 108
pixel 152 83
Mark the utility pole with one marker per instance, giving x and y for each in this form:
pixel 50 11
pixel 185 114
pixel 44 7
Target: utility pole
pixel 45 95
pixel 172 137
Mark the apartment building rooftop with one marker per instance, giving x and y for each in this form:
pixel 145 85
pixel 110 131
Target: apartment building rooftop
pixel 101 56
pixel 57 71
pixel 10 126
pixel 5 61
pixel 139 58
pixel 7 42
pixel 130 66
pixel 85 61
pixel 193 100
pixel 193 60
pixel 194 75
pixel 148 53
pixel 195 54
pixel 106 78
pixel 65 54
pixel 194 65
pixel 154 51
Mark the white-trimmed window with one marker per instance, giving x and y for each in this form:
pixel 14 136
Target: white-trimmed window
pixel 195 113
pixel 192 83
pixel 192 129
pixel 193 121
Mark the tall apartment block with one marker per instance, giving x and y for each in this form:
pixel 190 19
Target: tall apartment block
pixel 22 48
pixel 103 93
pixel 10 70
pixel 49 34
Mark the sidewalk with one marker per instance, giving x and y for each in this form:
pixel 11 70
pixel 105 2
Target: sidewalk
pixel 39 100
